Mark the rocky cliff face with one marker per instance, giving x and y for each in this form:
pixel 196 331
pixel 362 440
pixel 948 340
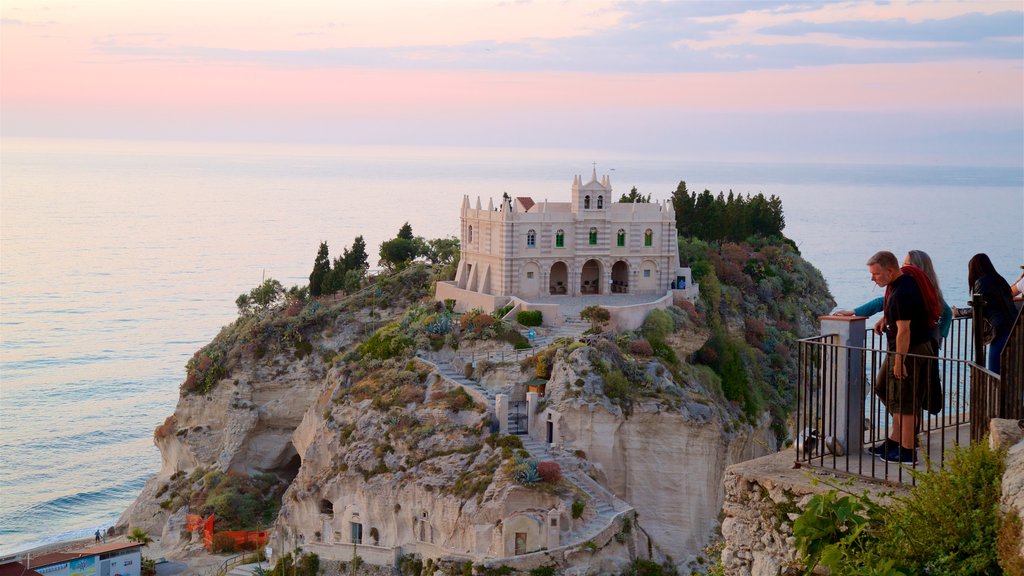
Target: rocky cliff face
pixel 665 452
pixel 382 449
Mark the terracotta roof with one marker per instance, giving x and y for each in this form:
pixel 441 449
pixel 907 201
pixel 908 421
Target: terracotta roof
pixel 526 201
pixel 51 558
pixel 58 557
pixel 16 569
pixel 107 548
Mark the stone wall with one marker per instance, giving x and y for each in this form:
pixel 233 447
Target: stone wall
pixel 764 496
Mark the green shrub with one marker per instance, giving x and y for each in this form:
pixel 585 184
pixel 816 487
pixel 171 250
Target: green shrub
pixel 530 317
pixel 947 524
pixel 388 342
pixel 577 508
pixel 616 386
pixel 658 325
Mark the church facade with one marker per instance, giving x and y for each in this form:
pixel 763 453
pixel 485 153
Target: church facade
pixel 589 245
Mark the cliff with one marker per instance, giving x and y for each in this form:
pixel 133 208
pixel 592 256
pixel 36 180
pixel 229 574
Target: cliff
pixel 364 425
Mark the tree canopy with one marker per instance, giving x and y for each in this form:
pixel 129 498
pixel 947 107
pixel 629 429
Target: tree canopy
pixel 635 196
pixel 731 218
pixel 397 252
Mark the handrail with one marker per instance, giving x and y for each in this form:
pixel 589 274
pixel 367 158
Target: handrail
pixel 236 560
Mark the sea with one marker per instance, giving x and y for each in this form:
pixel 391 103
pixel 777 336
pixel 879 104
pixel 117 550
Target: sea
pixel 120 259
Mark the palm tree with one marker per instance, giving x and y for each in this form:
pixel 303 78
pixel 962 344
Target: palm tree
pixel 139 535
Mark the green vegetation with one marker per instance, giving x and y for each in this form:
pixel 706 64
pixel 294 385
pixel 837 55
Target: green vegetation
pixel 948 524
pixel 597 316
pixel 577 508
pixel 301 564
pixel 530 317
pixel 398 252
pixel 635 197
pixel 734 217
pixel 139 536
pixel 345 273
pixel 260 299
pixel 240 502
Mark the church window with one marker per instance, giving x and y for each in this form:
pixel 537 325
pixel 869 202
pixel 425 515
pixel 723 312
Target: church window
pixel 531 239
pixel 647 272
pixel 600 202
pixel 586 202
pixel 560 239
pixel 620 238
pixel 593 236
pixel 648 237
pixel 357 532
pixel 469 235
pixel 529 275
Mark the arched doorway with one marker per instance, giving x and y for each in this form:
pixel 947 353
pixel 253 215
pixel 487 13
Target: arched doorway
pixel 620 277
pixel 559 282
pixel 590 277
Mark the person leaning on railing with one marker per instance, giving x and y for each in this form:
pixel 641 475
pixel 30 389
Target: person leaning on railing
pixel 999 311
pixel 920 259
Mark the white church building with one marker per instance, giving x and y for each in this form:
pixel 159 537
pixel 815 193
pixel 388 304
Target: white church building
pixel 543 253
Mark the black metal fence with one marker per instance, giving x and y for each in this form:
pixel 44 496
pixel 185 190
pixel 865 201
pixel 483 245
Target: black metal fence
pixel 840 415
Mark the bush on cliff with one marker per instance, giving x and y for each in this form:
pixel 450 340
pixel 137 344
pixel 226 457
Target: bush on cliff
pixel 948 524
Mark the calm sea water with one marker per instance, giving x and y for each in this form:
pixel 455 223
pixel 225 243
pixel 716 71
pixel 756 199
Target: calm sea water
pixel 119 259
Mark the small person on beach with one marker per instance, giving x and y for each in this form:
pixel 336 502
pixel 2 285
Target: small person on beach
pixel 97 534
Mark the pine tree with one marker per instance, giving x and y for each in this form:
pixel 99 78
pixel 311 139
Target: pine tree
pixel 321 267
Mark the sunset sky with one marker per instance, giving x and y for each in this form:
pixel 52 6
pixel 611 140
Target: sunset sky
pixel 905 82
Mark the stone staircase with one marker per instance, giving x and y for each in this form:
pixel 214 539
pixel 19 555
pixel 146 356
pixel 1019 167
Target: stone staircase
pixel 453 372
pixel 604 504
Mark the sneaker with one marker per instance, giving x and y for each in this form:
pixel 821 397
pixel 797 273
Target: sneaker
pixel 900 455
pixel 885 446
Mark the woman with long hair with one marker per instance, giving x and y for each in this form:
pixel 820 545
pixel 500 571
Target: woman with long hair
pixel 999 310
pixel 922 260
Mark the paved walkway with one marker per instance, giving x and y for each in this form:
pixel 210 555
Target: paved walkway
pixel 570 306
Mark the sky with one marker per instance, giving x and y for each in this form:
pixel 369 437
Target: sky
pixel 896 82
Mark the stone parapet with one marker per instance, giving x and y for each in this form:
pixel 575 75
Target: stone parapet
pixel 762 498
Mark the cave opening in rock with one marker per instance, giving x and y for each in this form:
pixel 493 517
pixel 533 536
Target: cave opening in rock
pixel 287 464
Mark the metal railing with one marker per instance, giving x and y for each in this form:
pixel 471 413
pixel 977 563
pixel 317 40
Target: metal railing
pixel 840 415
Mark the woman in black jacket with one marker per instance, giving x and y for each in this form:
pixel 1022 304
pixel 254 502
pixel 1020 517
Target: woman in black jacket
pixel 999 310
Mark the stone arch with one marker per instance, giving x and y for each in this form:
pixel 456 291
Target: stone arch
pixel 620 277
pixel 559 278
pixel 590 277
pixel 522 535
pixel 529 279
pixel 648 281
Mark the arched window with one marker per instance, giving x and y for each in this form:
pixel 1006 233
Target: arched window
pixel 620 238
pixel 593 236
pixel 531 239
pixel 648 237
pixel 560 239
pixel 586 202
pixel 469 235
pixel 600 202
